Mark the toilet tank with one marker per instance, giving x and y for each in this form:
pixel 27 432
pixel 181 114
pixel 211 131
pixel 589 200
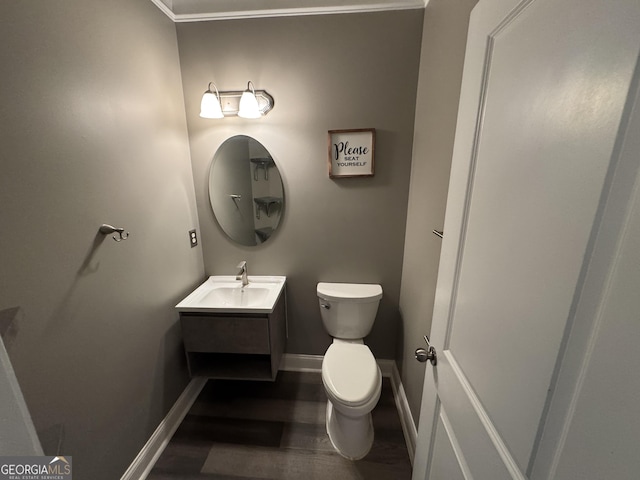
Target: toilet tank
pixel 348 309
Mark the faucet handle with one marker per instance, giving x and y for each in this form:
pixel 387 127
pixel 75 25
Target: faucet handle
pixel 242 274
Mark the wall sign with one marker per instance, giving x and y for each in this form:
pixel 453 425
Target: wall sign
pixel 351 152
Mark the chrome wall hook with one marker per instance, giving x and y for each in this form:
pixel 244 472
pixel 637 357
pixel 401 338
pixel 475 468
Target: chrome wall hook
pixel 120 233
pixel 236 199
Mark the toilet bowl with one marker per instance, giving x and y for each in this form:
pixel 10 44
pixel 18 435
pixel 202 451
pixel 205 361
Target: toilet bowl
pixel 352 382
pixel 350 373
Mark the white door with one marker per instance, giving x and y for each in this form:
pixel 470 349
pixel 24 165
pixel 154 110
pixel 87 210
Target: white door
pixel 17 433
pixel 544 165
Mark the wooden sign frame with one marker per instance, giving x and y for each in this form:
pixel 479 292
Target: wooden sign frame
pixel 352 153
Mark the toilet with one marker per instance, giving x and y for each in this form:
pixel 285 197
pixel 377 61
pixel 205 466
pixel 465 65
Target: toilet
pixel 350 374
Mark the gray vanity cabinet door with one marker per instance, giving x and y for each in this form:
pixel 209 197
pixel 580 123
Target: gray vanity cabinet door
pixel 208 333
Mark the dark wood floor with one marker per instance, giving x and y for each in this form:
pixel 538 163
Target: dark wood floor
pixel 262 430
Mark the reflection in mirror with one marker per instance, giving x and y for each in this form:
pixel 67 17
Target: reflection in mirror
pixel 245 190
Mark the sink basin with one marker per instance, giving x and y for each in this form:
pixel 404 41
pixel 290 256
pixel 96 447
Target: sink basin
pixel 223 293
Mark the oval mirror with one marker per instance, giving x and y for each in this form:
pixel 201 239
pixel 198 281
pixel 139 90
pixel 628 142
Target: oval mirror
pixel 245 190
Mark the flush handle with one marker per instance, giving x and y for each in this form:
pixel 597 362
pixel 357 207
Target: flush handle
pixel 429 353
pixel 326 306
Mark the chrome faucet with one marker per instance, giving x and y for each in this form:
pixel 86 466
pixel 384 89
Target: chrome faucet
pixel 242 274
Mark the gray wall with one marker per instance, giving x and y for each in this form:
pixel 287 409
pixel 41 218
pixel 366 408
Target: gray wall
pixel 441 60
pixel 324 72
pixel 93 131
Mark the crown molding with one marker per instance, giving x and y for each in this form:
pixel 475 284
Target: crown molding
pixel 164 9
pixel 206 10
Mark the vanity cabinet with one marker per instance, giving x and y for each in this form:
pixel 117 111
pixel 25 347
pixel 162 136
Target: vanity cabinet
pixel 246 346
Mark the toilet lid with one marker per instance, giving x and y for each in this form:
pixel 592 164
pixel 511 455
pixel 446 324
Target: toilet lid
pixel 349 292
pixel 350 372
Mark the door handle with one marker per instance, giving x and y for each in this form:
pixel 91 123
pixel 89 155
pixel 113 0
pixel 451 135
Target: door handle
pixel 422 354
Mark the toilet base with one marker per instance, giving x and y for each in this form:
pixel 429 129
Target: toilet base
pixel 351 437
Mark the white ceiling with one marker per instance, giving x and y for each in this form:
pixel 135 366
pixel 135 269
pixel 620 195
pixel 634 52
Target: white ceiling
pixel 201 10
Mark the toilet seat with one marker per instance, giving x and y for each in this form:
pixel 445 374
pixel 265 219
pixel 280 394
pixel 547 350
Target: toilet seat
pixel 350 373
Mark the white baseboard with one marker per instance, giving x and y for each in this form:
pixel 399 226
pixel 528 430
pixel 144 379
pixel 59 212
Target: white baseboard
pixel 146 459
pixel 406 419
pixel 295 362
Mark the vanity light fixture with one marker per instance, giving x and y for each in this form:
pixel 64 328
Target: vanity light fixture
pixel 250 103
pixel 210 105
